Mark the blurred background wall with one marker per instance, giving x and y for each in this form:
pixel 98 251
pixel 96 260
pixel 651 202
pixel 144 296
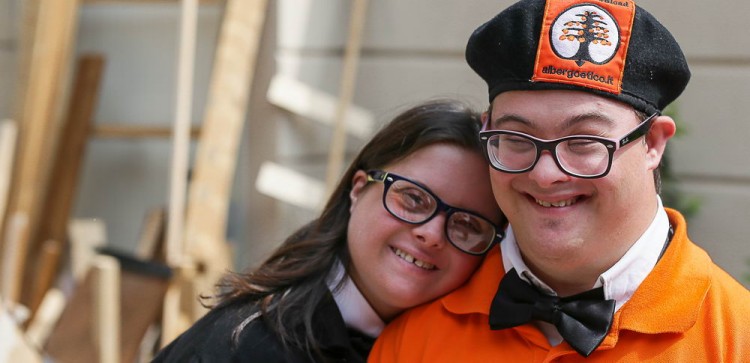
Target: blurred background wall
pixel 412 51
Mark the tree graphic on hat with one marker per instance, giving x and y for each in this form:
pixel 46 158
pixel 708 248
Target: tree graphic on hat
pixel 589 29
pixel 585 33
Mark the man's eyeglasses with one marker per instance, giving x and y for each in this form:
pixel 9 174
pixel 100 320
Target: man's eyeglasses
pixel 413 203
pixel 580 156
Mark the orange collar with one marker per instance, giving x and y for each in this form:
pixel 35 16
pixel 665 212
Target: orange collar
pixel 665 302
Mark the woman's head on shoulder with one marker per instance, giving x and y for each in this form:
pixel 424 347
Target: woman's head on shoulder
pixel 416 192
pixel 414 195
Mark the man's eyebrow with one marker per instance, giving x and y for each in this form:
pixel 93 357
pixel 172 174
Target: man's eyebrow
pixel 593 117
pixel 508 118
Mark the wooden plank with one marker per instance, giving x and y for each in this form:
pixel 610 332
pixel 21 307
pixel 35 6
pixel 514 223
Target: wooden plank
pixel 204 243
pixel 86 236
pixel 8 136
pixel 60 195
pixel 106 323
pixel 144 2
pixel 30 13
pixel 180 136
pixel 346 93
pixel 47 262
pixel 14 347
pixel 151 239
pixel 53 38
pixel 46 317
pixel 216 156
pixel 290 186
pixel 142 288
pixel 11 257
pixel 9 252
pixel 123 131
pixel 305 101
pixel 174 317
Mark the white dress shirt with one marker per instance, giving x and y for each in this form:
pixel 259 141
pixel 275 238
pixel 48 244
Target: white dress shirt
pixel 355 309
pixel 619 282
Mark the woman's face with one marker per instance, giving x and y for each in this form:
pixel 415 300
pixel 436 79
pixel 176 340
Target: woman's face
pixel 397 265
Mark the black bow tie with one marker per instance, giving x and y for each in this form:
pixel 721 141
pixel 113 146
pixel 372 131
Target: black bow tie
pixel 582 320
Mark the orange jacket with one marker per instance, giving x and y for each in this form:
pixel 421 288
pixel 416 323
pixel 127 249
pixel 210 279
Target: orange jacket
pixel 687 310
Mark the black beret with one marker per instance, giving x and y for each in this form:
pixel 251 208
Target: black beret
pixel 608 47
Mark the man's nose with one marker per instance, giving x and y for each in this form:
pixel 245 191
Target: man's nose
pixel 546 172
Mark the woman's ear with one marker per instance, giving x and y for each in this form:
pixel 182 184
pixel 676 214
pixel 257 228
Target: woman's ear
pixel 660 132
pixel 359 181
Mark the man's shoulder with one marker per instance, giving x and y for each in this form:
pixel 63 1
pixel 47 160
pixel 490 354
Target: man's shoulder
pixel 726 289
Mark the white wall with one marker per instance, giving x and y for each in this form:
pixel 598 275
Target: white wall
pixel 412 50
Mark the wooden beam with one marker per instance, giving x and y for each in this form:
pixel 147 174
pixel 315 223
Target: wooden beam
pixel 225 114
pixel 30 13
pixel 130 131
pixel 151 239
pixel 49 60
pixel 106 322
pixel 47 262
pixel 290 186
pixel 140 289
pixel 46 317
pixel 174 320
pixel 9 252
pixel 51 234
pixel 181 133
pixel 17 223
pixel 8 136
pixel 216 156
pixel 294 96
pixel 346 93
pixel 86 236
pixel 14 347
pixel 145 2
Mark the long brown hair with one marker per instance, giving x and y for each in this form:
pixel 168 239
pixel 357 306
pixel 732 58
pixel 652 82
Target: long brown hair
pixel 290 284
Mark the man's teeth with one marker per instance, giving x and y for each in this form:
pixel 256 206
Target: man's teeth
pixel 558 204
pixel 409 258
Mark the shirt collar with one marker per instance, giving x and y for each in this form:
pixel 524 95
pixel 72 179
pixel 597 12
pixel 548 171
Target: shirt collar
pixel 356 311
pixel 665 302
pixel 623 278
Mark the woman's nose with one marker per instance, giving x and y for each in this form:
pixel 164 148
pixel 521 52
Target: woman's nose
pixel 432 232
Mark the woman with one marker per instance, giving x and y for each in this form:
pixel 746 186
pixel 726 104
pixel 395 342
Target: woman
pixel 408 222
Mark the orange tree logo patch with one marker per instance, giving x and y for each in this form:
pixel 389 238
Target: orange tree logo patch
pixel 584 43
pixel 583 33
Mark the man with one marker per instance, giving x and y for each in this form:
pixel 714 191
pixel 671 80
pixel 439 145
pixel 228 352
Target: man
pixel 593 265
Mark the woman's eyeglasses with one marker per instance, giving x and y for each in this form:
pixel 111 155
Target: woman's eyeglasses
pixel 413 203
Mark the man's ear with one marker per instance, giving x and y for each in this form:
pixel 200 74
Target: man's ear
pixel 359 181
pixel 660 132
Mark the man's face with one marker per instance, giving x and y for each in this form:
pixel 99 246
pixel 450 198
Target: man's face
pixel 564 225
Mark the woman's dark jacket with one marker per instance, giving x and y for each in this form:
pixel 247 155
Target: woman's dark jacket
pixel 210 339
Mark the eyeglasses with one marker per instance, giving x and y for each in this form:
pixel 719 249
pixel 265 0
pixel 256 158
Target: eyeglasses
pixel 413 203
pixel 580 156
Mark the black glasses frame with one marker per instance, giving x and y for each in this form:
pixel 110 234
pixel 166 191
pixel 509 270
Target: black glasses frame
pixel 551 145
pixel 389 178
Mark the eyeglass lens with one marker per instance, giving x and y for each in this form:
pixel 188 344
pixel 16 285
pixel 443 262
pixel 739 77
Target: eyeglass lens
pixel 411 203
